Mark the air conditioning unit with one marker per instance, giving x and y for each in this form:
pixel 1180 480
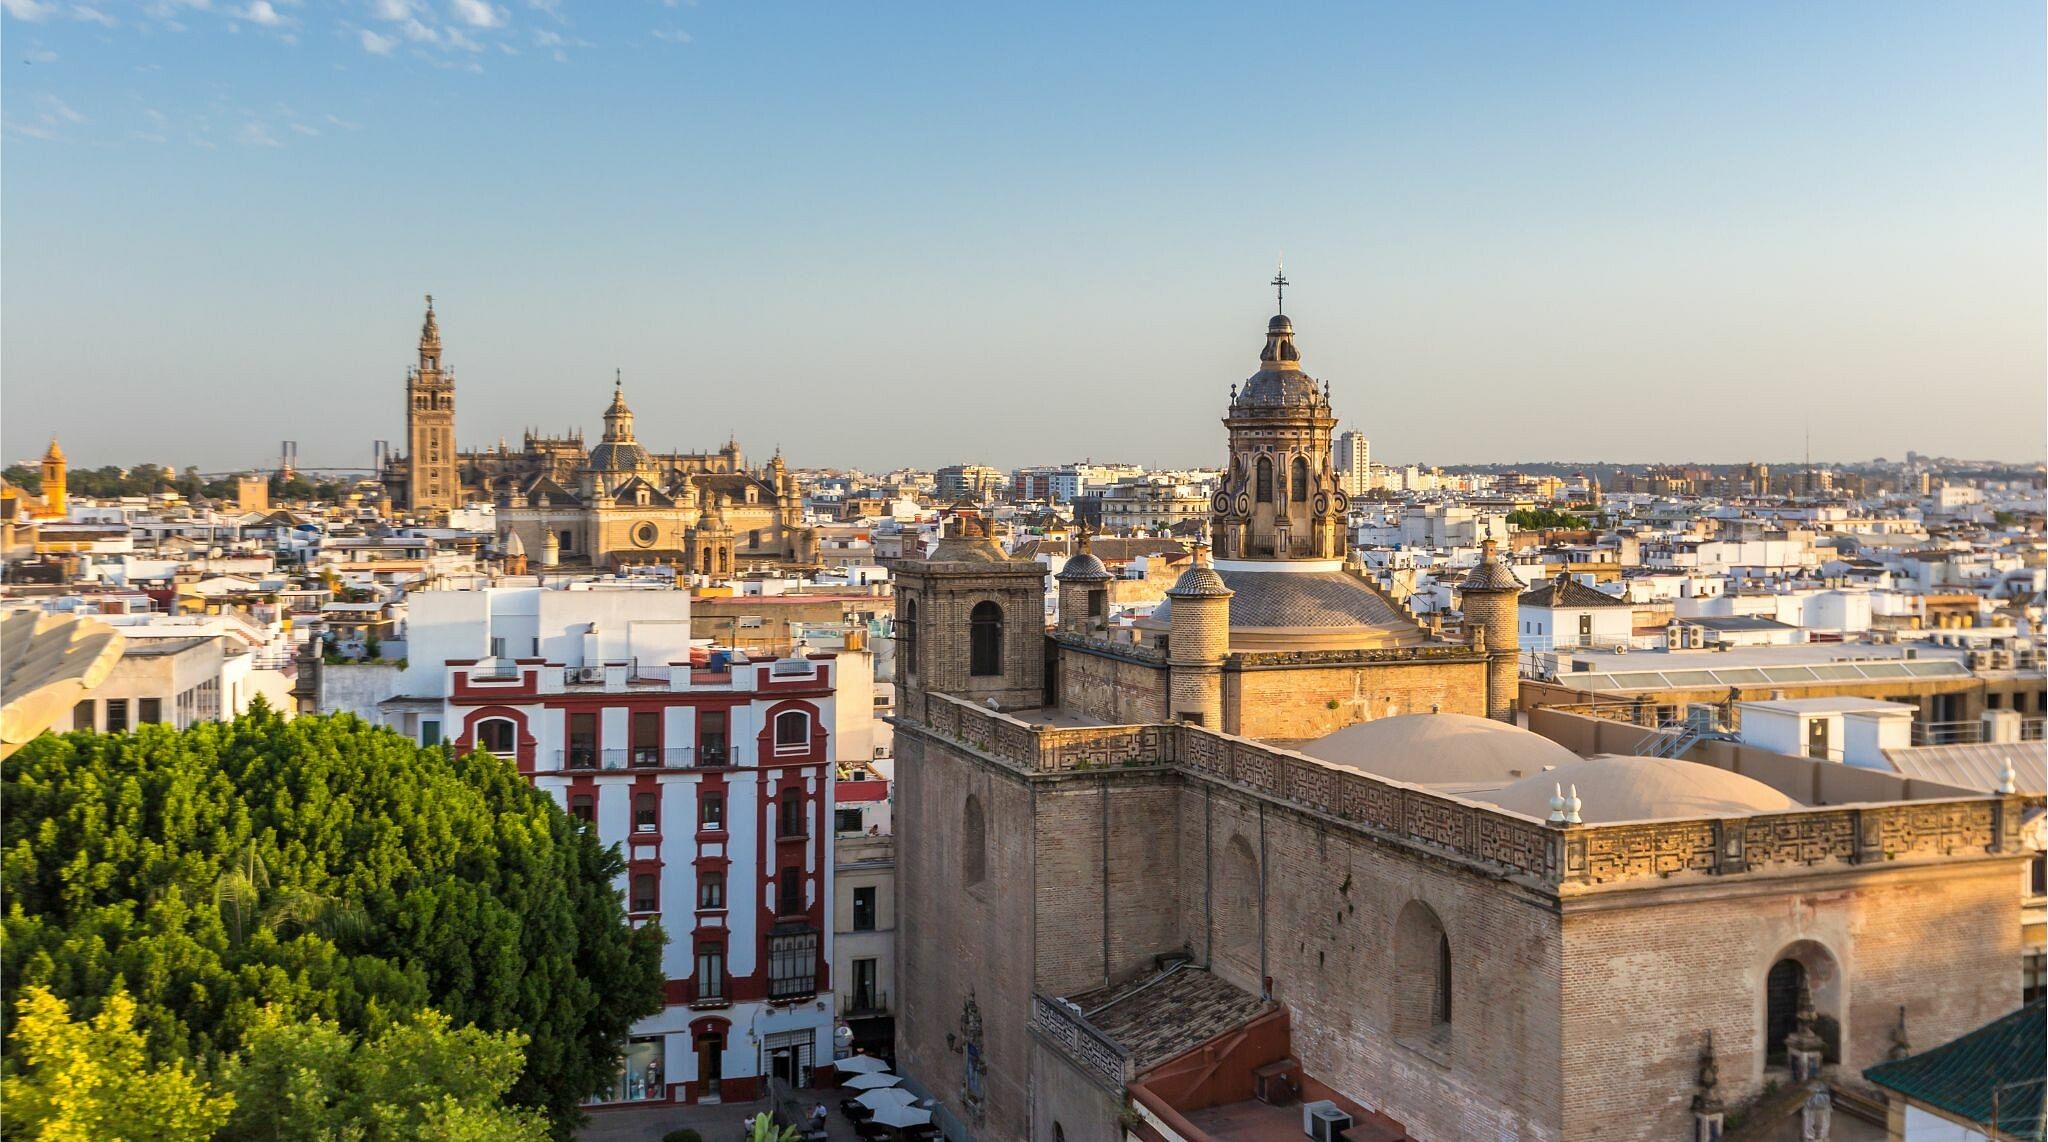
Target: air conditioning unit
pixel 1977 660
pixel 1621 648
pixel 1323 1122
pixel 1277 1083
pixel 590 674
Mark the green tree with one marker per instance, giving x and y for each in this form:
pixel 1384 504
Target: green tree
pixel 327 867
pixel 418 1078
pixel 27 477
pixel 762 1128
pixel 1544 519
pixel 89 1081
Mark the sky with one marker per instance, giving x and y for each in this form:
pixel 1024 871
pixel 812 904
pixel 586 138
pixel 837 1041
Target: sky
pixel 899 234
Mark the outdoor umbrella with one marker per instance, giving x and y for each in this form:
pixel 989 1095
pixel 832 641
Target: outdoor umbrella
pixel 871 1081
pixel 901 1116
pixel 860 1065
pixel 885 1096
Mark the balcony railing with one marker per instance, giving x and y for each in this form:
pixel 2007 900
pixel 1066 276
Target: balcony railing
pixel 638 757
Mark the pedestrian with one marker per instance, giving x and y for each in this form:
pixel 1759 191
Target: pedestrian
pixel 818 1116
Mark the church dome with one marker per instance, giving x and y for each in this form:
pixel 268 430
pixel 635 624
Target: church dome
pixel 1617 788
pixel 1303 607
pixel 1279 383
pixel 1442 749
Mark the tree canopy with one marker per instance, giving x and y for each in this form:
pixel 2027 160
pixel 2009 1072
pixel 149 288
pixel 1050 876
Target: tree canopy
pixel 325 868
pixel 1545 519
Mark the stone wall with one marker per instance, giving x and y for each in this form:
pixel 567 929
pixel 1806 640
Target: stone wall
pixel 1115 687
pixel 960 940
pixel 1298 703
pixel 1329 900
pixel 1941 940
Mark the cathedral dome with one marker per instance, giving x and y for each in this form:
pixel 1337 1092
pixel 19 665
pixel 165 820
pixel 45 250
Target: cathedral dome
pixel 1616 788
pixel 1279 383
pixel 620 456
pixel 1442 749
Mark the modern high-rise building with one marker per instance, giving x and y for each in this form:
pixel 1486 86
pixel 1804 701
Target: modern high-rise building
pixel 1353 461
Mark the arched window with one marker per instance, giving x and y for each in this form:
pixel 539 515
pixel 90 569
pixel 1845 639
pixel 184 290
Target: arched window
pixel 1781 1006
pixel 1423 977
pixel 792 730
pixel 974 844
pixel 497 735
pixel 1297 487
pixel 985 640
pixel 1265 480
pixel 906 636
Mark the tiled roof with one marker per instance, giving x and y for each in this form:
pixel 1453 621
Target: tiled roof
pixel 1158 1017
pixel 1973 765
pixel 1994 1071
pixel 1569 593
pixel 1268 599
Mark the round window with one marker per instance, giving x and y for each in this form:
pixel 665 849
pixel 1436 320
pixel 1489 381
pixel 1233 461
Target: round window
pixel 645 533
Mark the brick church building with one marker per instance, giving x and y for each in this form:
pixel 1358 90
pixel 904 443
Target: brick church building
pixel 1282 842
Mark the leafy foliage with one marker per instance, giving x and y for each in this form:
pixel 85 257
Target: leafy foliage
pixel 418 1079
pixel 327 868
pixel 83 1081
pixel 1545 519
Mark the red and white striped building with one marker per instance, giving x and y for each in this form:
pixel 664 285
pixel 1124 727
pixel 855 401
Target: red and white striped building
pixel 714 778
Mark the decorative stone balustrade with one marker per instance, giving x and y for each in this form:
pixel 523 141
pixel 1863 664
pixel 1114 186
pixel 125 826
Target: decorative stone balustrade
pixel 1553 855
pixel 1094 1053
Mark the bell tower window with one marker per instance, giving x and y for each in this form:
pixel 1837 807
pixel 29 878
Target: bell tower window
pixel 1297 487
pixel 1265 480
pixel 985 640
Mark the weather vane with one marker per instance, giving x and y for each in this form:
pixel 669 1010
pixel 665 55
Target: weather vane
pixel 1279 284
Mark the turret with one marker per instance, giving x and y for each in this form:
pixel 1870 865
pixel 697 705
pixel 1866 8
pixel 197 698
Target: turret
pixel 56 504
pixel 1198 638
pixel 550 549
pixel 1490 598
pixel 1084 591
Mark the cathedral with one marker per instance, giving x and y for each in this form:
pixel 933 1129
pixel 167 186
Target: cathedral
pixel 617 503
pixel 1283 846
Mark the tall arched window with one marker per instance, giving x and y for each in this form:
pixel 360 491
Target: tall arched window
pixel 973 843
pixel 790 813
pixel 985 640
pixel 1297 487
pixel 1238 908
pixel 906 636
pixel 497 735
pixel 1265 480
pixel 1422 977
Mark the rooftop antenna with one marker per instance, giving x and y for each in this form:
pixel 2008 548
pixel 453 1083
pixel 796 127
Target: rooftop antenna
pixel 1279 284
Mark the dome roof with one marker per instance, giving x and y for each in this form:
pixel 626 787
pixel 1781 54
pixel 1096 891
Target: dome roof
pixel 1084 568
pixel 1199 582
pixel 1617 788
pixel 620 456
pixel 1301 609
pixel 1278 387
pixel 1443 749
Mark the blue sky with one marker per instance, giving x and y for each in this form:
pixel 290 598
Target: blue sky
pixel 887 234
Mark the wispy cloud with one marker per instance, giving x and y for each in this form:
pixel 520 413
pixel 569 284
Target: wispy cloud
pixel 93 15
pixel 477 13
pixel 671 35
pixel 39 55
pixel 343 124
pixel 304 129
pixel 51 116
pixel 393 9
pixel 257 135
pixel 32 11
pixel 375 44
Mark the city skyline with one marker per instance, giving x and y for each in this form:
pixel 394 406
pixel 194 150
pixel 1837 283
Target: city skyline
pixel 1529 234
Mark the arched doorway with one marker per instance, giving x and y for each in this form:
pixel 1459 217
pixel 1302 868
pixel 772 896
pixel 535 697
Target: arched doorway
pixel 1805 964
